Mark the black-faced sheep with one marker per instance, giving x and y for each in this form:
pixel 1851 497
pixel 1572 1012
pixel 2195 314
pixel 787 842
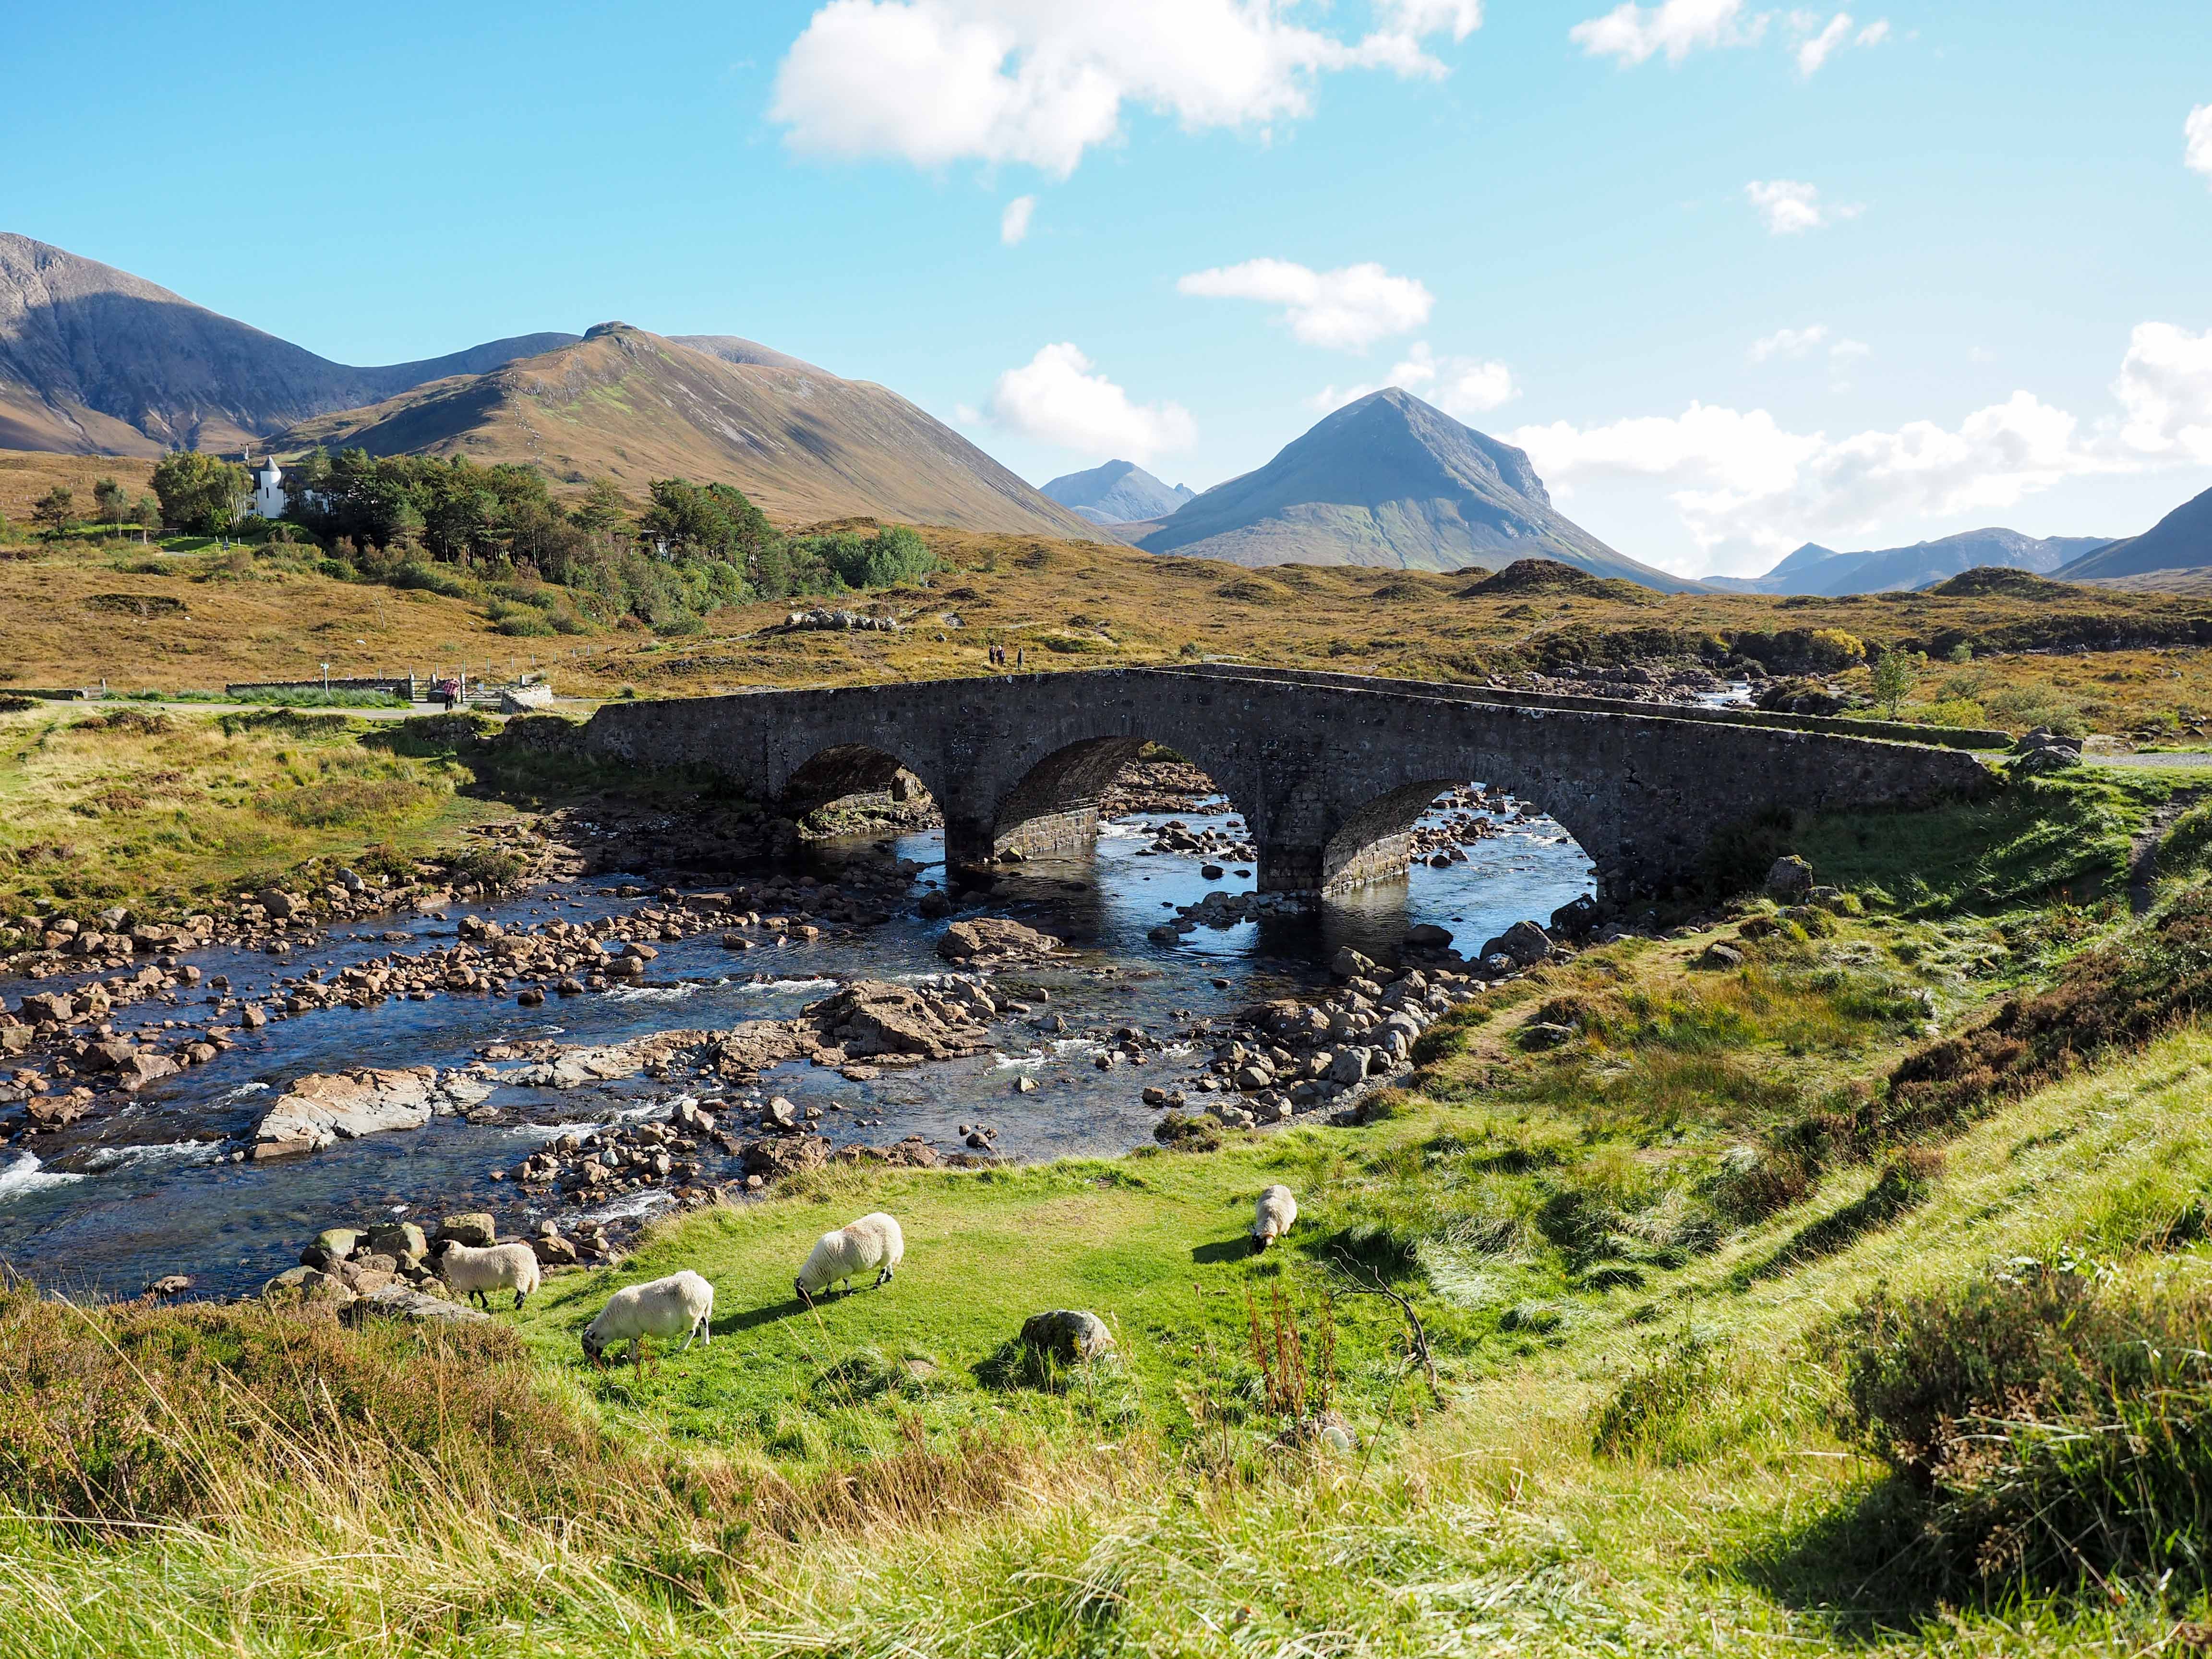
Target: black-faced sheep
pixel 473 1272
pixel 1272 1217
pixel 873 1240
pixel 680 1305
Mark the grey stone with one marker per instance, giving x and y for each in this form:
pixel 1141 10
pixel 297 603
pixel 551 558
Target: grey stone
pixel 1790 881
pixel 1068 1335
pixel 474 1228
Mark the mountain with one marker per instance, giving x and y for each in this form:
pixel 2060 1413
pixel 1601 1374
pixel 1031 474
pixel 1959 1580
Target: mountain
pixel 2182 540
pixel 1816 569
pixel 1391 480
pixel 802 443
pixel 95 361
pixel 732 349
pixel 1119 492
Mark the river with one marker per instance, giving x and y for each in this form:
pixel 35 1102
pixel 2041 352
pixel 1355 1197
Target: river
pixel 106 1207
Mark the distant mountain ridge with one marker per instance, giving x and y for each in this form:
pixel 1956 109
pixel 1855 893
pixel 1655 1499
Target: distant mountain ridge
pixel 2182 540
pixel 95 361
pixel 632 405
pixel 1389 480
pixel 1816 569
pixel 1119 492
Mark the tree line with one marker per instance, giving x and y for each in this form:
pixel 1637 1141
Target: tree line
pixel 403 519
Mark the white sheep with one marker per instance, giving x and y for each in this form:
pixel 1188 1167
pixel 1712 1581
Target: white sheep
pixel 682 1302
pixel 496 1268
pixel 1272 1217
pixel 873 1240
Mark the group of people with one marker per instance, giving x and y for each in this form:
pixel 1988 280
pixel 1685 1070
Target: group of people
pixel 998 657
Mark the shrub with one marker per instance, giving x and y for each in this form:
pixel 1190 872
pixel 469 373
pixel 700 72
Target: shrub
pixel 2056 1428
pixel 2115 997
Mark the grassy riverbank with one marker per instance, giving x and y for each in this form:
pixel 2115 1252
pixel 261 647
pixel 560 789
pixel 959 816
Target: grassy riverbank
pixel 1639 1255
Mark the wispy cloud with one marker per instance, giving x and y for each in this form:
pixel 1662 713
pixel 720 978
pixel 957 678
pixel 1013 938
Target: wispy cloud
pixel 1791 207
pixel 1014 223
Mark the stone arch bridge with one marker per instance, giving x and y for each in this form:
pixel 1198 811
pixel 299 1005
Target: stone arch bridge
pixel 1329 771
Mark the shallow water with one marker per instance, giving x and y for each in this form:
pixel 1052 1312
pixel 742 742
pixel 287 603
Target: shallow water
pixel 110 1204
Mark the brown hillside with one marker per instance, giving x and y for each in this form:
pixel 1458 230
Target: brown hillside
pixel 802 443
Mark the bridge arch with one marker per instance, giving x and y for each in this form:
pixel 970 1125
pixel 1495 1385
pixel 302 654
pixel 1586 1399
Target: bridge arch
pixel 854 774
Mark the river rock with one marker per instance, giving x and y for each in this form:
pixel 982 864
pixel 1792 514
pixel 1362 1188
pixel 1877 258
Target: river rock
pixel 786 1155
pixel 1427 936
pixel 402 1241
pixel 1067 1335
pixel 474 1228
pixel 995 939
pixel 872 1018
pixel 42 1006
pixel 401 1300
pixel 1524 944
pixel 331 1106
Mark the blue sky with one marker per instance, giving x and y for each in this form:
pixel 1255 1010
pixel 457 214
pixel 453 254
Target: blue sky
pixel 1732 290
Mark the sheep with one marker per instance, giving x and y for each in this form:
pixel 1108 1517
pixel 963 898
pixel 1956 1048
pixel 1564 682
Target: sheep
pixel 661 1307
pixel 1272 1217
pixel 873 1240
pixel 496 1268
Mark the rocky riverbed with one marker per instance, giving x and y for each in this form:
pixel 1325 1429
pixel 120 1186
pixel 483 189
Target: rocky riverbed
pixel 587 1056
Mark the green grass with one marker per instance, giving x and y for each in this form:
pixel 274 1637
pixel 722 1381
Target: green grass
pixel 1639 1290
pixel 1155 1245
pixel 2035 841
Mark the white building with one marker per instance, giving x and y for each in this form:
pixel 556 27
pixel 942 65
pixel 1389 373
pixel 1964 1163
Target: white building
pixel 267 499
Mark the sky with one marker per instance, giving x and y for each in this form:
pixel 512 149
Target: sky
pixel 1736 277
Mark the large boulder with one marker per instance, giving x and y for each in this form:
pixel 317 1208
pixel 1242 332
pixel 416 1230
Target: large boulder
pixel 331 1106
pixel 1524 944
pixel 988 940
pixel 1067 1335
pixel 474 1228
pixel 401 1240
pixel 1789 880
pixel 874 1016
pixel 401 1300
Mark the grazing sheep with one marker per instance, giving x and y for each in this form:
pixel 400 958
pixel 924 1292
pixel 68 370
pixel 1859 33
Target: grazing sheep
pixel 682 1302
pixel 873 1240
pixel 1272 1217
pixel 496 1268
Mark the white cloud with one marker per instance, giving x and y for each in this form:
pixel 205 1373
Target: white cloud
pixel 1056 399
pixel 1818 42
pixel 1632 33
pixel 1014 223
pixel 2166 388
pixel 1040 81
pixel 1346 310
pixel 1813 52
pixel 1788 343
pixel 1463 387
pixel 1745 487
pixel 1845 350
pixel 2196 140
pixel 1791 207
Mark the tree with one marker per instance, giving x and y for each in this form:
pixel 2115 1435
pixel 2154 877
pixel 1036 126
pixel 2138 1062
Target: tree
pixel 1894 676
pixel 604 509
pixel 200 493
pixel 147 515
pixel 55 512
pixel 110 501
